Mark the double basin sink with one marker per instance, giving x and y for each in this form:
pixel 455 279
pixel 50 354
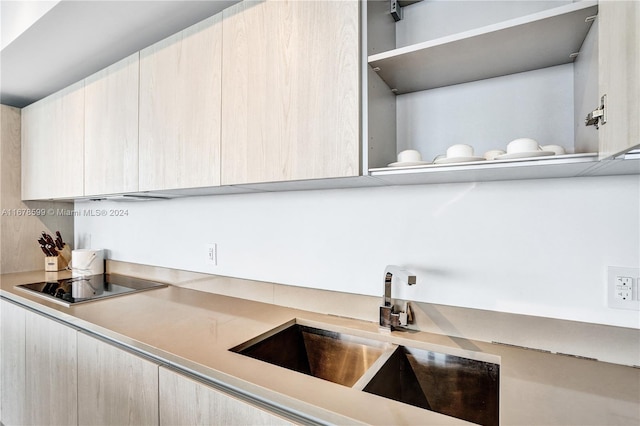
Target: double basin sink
pixel 456 386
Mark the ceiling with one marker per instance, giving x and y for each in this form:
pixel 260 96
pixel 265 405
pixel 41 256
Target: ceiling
pixel 74 39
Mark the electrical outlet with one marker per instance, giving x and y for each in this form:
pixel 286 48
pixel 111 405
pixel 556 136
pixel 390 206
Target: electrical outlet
pixel 623 287
pixel 212 254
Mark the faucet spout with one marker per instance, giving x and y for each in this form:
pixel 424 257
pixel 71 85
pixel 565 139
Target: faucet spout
pixel 389 318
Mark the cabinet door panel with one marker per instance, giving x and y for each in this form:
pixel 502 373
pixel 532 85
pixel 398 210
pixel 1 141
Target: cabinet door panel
pixel 51 372
pixel 53 145
pixel 290 91
pixel 111 129
pixel 619 53
pixel 180 109
pixel 115 386
pixel 12 363
pixel 184 401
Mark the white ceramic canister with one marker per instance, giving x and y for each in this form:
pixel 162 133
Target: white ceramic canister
pixel 87 262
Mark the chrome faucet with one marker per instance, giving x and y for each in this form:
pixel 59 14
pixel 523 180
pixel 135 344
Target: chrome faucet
pixel 390 319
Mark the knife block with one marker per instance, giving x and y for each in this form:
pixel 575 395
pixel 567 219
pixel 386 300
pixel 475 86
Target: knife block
pixel 59 262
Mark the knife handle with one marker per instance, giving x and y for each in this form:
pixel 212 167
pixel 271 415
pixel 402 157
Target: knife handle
pixel 52 250
pixel 49 240
pixel 59 240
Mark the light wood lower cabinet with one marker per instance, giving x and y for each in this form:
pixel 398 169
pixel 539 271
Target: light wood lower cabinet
pixel 115 387
pixel 12 363
pixel 51 395
pixel 51 374
pixel 185 401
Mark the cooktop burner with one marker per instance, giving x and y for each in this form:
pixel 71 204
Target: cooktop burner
pixel 72 291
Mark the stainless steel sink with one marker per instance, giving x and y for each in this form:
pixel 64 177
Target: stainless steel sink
pixel 332 356
pixel 451 385
pixel 456 386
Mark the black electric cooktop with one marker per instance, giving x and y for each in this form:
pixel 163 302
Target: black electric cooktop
pixel 72 291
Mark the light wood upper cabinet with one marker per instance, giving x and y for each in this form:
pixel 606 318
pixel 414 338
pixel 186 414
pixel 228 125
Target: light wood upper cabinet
pixel 271 91
pixel 619 62
pixel 180 90
pixel 184 401
pixel 51 372
pixel 12 364
pixel 115 386
pixel 111 129
pixel 290 91
pixel 53 145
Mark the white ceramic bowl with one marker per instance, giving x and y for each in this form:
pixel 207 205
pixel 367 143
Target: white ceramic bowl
pixel 460 150
pixel 557 149
pixel 521 145
pixel 492 154
pixel 409 156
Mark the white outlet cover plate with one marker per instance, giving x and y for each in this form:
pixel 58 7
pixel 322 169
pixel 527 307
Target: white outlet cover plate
pixel 212 254
pixel 612 282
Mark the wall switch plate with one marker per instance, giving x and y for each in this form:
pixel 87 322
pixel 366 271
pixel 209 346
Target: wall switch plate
pixel 622 288
pixel 212 254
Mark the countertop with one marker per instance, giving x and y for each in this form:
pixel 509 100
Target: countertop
pixel 194 330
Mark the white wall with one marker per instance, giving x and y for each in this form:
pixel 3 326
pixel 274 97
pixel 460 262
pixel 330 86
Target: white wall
pixel 537 247
pixel 490 113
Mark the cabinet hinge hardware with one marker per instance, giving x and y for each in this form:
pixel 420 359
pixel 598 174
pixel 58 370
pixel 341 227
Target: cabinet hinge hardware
pixel 574 55
pixel 598 116
pixel 590 18
pixel 395 10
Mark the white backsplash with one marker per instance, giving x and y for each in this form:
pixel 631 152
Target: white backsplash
pixel 536 247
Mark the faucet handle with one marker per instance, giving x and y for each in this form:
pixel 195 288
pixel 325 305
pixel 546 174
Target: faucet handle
pixel 406 316
pixel 402 319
